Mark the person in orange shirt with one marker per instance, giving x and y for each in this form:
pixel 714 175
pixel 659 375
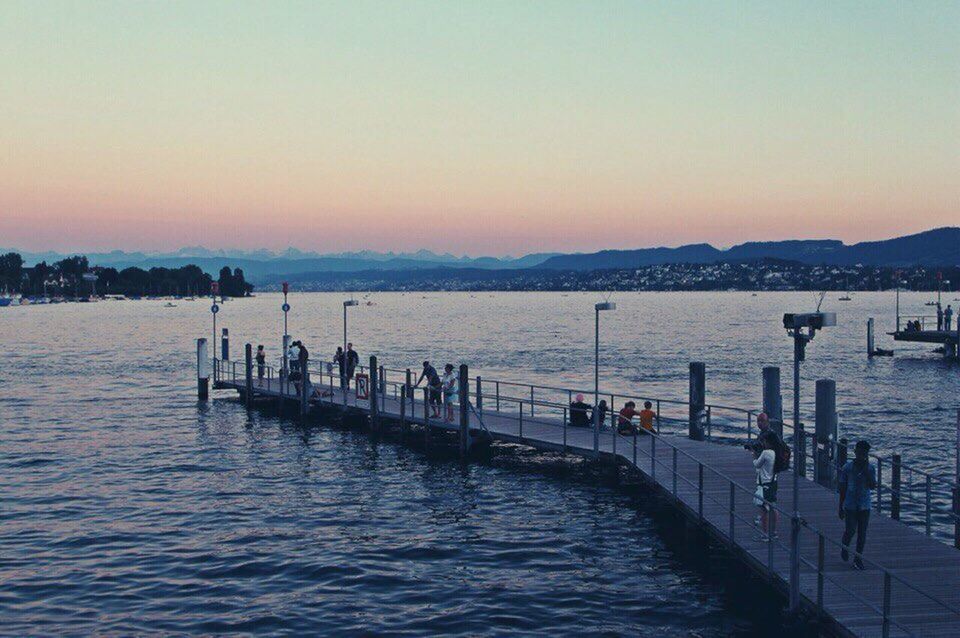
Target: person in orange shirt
pixel 647 417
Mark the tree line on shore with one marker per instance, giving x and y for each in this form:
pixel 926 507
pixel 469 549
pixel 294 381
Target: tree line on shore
pixel 74 277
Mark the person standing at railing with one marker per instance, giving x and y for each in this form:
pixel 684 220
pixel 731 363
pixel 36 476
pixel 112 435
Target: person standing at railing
pixel 579 413
pixel 261 361
pixel 353 360
pixel 766 494
pixel 857 480
pixel 647 417
pixel 947 317
pixel 433 384
pixel 600 412
pixel 338 359
pixel 450 391
pixel 939 316
pixel 625 418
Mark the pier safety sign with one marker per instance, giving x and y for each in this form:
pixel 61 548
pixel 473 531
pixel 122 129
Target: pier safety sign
pixel 363 386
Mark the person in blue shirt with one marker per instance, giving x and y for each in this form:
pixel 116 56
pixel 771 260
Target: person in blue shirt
pixel 857 478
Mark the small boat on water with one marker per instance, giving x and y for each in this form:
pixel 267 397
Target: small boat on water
pixel 845 298
pixel 169 305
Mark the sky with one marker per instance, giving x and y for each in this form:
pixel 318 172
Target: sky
pixel 474 127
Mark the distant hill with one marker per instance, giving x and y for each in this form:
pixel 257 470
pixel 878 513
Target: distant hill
pixel 937 247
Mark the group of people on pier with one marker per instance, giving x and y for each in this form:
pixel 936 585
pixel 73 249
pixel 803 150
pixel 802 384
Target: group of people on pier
pixel 944 317
pixel 856 480
pixel 583 415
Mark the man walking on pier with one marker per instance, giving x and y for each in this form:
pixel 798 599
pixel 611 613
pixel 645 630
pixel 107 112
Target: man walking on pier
pixel 857 478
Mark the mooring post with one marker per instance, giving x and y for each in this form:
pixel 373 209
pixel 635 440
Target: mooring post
pixel 479 392
pixel 248 378
pixel 697 399
pixel 464 392
pixel 773 399
pixel 895 488
pixel 870 342
pixel 203 370
pixel 374 394
pixel 826 428
pixel 225 344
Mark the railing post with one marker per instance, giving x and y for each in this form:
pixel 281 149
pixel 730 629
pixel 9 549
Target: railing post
pixel 426 417
pixel 497 387
pixel 225 344
pixel 304 389
pixel 885 632
pixel 733 506
pixel 248 380
pixel 464 396
pixel 613 429
pixel 700 490
pixel 634 447
pixel 956 516
pixel 653 457
pixel 531 401
pixel 820 561
pixel 520 406
pixel 374 394
pixel 879 484
pixel 674 471
pixel 895 488
pixel 926 500
pixel 403 409
pixel 709 423
pixel 801 432
pixel 479 394
pixel 564 430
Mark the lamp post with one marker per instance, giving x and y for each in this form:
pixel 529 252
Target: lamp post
pixel 606 305
pixel 794 324
pixel 286 336
pixel 214 309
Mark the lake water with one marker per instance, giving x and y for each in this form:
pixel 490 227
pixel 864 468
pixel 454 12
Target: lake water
pixel 130 508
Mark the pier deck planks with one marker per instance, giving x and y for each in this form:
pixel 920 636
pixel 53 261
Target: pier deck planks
pixel 923 562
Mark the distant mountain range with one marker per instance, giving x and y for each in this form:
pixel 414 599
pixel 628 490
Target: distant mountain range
pixel 937 247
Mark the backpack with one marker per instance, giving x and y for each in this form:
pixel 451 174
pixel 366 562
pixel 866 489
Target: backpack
pixel 782 462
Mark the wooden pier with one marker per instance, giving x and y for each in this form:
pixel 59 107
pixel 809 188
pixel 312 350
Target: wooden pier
pixel 911 585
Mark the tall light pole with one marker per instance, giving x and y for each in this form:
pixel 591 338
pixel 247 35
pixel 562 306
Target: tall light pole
pixel 606 305
pixel 897 275
pixel 343 366
pixel 285 340
pixel 794 324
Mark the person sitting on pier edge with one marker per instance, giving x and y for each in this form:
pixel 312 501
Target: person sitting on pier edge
pixel 353 360
pixel 766 494
pixel 341 369
pixel 947 317
pixel 579 413
pixel 450 391
pixel 600 412
pixel 857 478
pixel 261 361
pixel 433 385
pixel 647 417
pixel 625 419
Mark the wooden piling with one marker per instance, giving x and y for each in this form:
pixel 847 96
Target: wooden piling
pixel 697 399
pixel 426 417
pixel 826 429
pixel 478 401
pixel 225 344
pixel 464 394
pixel 871 349
pixel 773 399
pixel 304 390
pixel 203 373
pixel 403 410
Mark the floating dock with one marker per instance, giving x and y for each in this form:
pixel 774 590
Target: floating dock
pixel 911 585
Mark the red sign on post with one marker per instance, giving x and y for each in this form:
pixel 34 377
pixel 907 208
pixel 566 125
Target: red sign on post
pixel 363 386
pixel 286 287
pixel 215 287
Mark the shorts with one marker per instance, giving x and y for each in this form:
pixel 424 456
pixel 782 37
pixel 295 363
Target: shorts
pixel 769 492
pixel 450 398
pixel 434 396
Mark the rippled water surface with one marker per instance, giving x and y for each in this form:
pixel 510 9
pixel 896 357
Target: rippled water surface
pixel 129 508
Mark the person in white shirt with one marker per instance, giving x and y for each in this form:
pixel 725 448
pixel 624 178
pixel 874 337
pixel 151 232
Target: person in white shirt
pixel 766 490
pixel 450 391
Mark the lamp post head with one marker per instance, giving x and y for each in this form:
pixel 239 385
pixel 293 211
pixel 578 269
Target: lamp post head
pixel 351 302
pixel 606 305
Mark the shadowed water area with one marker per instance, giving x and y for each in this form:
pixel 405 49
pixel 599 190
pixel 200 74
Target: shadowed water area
pixel 129 508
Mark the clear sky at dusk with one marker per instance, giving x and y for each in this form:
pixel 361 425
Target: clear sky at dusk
pixel 474 127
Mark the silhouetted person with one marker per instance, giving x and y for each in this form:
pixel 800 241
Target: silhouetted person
pixel 579 413
pixel 939 317
pixel 434 385
pixel 353 360
pixel 947 317
pixel 261 361
pixel 341 368
pixel 600 412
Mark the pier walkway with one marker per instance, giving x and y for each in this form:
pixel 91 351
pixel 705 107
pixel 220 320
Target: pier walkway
pixel 911 585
